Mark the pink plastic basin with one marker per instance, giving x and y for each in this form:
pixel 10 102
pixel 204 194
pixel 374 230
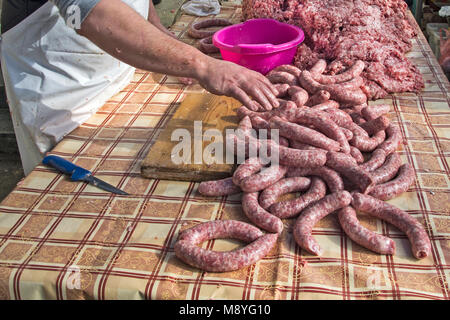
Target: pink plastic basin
pixel 259 44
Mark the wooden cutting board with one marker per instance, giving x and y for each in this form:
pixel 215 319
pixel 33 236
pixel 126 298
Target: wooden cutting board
pixel 214 112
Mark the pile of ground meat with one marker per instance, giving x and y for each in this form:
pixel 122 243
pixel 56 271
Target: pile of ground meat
pixel 377 32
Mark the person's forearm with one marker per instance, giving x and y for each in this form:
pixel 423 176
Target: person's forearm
pixel 122 32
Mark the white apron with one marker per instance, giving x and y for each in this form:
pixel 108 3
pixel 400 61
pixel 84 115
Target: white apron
pixel 56 79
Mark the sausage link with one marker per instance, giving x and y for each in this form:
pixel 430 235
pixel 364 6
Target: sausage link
pixel 303 134
pixel 189 252
pixel 311 215
pixel 206 45
pixel 416 233
pixel 282 77
pixel 219 229
pixel 289 68
pixel 246 169
pixel 388 170
pixel 363 236
pixel 287 156
pixel 326 105
pixel 291 208
pixel 298 95
pixel 223 187
pixel 358 119
pixel 285 110
pixel 322 123
pixel 319 97
pixel 259 123
pixel 405 178
pixel 263 179
pixel 347 93
pixel 282 89
pixel 373 126
pixel 287 185
pixel 302 146
pixel 339 117
pixel 319 67
pixel 375 111
pixel 245 123
pixel 301 158
pixel 312 86
pixel 367 144
pixel 394 138
pixel 195 32
pixel 348 135
pixel 345 165
pixel 354 71
pixel 331 177
pixel 357 155
pixel 376 160
pixel 357 109
pixel 258 215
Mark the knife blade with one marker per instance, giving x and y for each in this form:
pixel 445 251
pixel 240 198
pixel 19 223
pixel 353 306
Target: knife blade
pixel 79 174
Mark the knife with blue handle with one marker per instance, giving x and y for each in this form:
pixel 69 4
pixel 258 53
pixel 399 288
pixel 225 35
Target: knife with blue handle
pixel 79 174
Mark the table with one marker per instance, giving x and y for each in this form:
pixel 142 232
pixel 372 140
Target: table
pixel 65 240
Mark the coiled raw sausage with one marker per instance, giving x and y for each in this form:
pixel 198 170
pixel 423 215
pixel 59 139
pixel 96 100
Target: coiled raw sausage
pixel 375 125
pixel 195 32
pixel 322 123
pixel 394 138
pixel 289 68
pixel 367 144
pixel 347 93
pixel 263 179
pixel 345 165
pixel 291 208
pixel 363 236
pixel 319 67
pixel 188 251
pixel 311 215
pixel 319 97
pixel 388 170
pixel 416 233
pixel 405 178
pixel 206 45
pixel 376 160
pixel 298 95
pixel 218 188
pixel 258 215
pixel 246 169
pixel 375 111
pixel 282 77
pixel 303 134
pixel 287 185
pixel 331 177
pixel 354 71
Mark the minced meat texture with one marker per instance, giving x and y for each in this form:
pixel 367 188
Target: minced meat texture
pixel 342 31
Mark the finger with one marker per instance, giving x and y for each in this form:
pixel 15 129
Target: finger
pixel 259 96
pixel 240 95
pixel 270 96
pixel 268 84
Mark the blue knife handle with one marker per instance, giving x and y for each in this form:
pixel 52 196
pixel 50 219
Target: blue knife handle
pixel 76 173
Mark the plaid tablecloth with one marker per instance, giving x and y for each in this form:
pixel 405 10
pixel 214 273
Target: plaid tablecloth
pixel 66 240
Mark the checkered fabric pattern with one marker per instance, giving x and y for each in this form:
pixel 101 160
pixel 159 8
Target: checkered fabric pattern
pixel 68 240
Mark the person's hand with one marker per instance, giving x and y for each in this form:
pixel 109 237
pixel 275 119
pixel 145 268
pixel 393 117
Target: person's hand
pixel 229 79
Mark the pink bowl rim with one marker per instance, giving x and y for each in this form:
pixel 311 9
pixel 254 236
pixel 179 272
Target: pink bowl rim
pixel 260 48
